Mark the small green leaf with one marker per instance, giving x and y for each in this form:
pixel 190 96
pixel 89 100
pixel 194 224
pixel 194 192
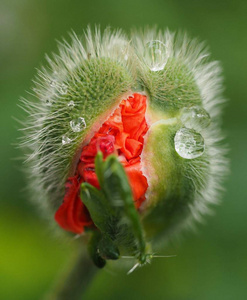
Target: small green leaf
pixel 117 188
pixel 99 167
pixel 107 248
pixel 113 211
pixel 98 207
pixel 93 250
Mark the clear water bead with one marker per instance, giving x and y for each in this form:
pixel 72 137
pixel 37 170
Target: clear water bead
pixel 155 54
pixel 71 104
pixel 78 124
pixel 66 140
pixel 189 144
pixel 53 83
pixel 62 89
pixel 195 117
pixel 48 102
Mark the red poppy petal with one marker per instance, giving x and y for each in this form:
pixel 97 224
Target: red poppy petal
pixel 133 116
pixel 133 148
pixel 72 215
pixel 138 181
pixel 122 134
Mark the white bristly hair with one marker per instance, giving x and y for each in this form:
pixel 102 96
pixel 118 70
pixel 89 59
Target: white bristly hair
pixel 89 77
pixel 207 175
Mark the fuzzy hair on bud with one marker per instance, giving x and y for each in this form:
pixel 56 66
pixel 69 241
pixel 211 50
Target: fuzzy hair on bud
pixel 86 79
pixel 182 159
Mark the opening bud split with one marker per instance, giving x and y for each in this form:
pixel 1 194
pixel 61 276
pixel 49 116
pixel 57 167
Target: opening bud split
pixel 123 139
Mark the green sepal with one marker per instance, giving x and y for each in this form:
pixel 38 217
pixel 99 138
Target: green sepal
pixel 172 88
pixel 107 248
pixel 93 250
pixel 113 211
pixel 117 188
pixel 173 181
pixel 99 167
pixel 98 206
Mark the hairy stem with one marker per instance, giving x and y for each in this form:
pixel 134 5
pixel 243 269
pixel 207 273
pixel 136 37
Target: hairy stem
pixel 76 280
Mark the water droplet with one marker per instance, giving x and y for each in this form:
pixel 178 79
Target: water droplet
pixel 195 117
pixel 189 143
pixel 53 83
pixel 155 54
pixel 48 102
pixel 66 140
pixel 62 89
pixel 78 124
pixel 71 104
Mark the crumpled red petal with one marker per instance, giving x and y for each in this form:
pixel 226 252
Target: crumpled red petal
pixel 73 215
pixel 122 134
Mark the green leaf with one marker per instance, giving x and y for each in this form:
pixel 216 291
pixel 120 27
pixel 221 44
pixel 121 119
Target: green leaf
pixel 117 188
pixel 98 207
pixel 93 250
pixel 107 248
pixel 113 211
pixel 99 167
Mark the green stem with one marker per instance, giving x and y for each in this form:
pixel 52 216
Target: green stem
pixel 73 284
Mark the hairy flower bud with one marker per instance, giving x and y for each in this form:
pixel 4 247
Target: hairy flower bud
pixel 124 140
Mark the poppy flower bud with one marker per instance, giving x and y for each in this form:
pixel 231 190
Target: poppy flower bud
pixel 123 140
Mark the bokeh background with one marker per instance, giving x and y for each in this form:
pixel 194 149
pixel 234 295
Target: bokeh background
pixel 209 265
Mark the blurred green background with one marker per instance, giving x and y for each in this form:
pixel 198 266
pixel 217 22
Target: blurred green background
pixel 209 265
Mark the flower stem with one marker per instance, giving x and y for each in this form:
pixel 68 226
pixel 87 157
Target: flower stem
pixel 73 284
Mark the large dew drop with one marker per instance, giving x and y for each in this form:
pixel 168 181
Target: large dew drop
pixel 189 144
pixel 155 55
pixel 66 140
pixel 78 124
pixel 195 117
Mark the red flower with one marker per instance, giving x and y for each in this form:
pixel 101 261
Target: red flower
pixel 72 215
pixel 121 134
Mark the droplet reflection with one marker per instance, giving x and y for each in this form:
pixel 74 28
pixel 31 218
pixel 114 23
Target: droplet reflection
pixel 189 144
pixel 155 54
pixel 78 124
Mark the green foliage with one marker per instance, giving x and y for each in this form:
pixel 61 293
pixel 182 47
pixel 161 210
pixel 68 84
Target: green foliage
pixel 113 212
pixel 173 181
pixel 93 247
pixel 172 88
pixel 94 78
